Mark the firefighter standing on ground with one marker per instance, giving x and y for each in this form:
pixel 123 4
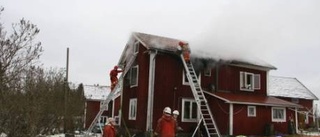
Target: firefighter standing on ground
pixel 166 126
pixel 175 115
pixel 109 129
pixel 114 76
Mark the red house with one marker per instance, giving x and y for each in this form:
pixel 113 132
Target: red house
pixel 233 91
pixel 94 95
pixel 291 89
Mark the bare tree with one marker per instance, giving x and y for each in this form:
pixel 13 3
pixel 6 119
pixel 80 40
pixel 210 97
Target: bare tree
pixel 18 52
pixel 32 99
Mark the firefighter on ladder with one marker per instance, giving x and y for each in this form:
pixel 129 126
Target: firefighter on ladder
pixel 185 51
pixel 114 76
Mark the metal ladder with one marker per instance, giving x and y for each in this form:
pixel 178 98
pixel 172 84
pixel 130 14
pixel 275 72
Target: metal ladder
pixel 205 113
pixel 116 91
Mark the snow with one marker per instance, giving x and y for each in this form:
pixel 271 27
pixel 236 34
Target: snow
pixel 96 92
pixel 289 87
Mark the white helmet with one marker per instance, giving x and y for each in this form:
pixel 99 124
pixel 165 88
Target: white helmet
pixel 167 110
pixel 175 112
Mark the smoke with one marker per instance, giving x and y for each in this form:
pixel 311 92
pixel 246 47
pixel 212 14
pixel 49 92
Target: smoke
pixel 257 30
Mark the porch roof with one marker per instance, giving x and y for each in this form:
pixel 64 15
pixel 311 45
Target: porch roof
pixel 249 99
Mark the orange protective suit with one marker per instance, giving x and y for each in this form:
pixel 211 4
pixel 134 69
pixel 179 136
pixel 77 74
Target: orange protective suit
pixel 185 51
pixel 109 131
pixel 166 126
pixel 114 77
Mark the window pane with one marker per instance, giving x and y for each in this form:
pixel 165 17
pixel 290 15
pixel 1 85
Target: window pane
pixel 257 81
pixel 186 110
pixel 194 110
pixel 134 73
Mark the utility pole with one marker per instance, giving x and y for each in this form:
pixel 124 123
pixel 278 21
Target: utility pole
pixel 65 88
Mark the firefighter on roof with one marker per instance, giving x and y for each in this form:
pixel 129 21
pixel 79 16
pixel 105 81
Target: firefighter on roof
pixel 114 76
pixel 185 51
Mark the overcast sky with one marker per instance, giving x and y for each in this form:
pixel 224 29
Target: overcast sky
pixel 284 33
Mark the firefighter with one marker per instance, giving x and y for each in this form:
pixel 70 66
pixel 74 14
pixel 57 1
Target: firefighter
pixel 166 125
pixel 114 76
pixel 175 115
pixel 109 129
pixel 185 51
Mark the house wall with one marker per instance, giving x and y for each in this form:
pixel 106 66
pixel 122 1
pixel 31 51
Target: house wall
pixel 140 92
pixel 220 112
pixel 307 107
pixel 229 79
pixel 168 89
pixel 92 110
pixel 93 107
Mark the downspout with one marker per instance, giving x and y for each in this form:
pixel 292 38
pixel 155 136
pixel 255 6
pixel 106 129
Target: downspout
pixel 296 119
pixel 231 119
pixel 152 61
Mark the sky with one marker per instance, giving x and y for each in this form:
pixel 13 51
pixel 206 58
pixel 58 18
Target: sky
pixel 284 33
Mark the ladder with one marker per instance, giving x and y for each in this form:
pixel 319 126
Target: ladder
pixel 104 105
pixel 116 91
pixel 205 113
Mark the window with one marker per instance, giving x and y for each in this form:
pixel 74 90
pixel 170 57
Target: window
pixel 134 76
pixel 185 80
pixel 133 109
pixel 136 47
pixel 246 81
pixel 189 110
pixel 278 114
pixel 117 120
pixel 251 111
pixel 103 119
pixel 207 72
pixel 256 81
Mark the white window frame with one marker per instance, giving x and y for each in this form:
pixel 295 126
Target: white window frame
pixel 190 119
pixel 134 77
pixel 136 47
pixel 254 111
pixel 244 86
pixel 207 72
pixel 132 109
pixel 257 81
pixel 277 110
pixel 185 79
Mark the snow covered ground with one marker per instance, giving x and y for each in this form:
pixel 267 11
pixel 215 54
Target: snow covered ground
pixel 82 135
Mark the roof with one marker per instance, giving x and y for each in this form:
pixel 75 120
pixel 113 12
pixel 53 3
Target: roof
pixel 157 42
pixel 170 45
pixel 96 92
pixel 289 87
pixel 249 99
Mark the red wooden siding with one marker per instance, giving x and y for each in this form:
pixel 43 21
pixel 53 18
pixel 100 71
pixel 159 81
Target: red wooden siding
pixel 169 90
pixel 229 79
pixel 93 107
pixel 140 92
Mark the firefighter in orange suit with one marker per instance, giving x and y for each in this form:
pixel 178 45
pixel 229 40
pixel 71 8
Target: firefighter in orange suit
pixel 166 126
pixel 185 51
pixel 114 76
pixel 109 129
